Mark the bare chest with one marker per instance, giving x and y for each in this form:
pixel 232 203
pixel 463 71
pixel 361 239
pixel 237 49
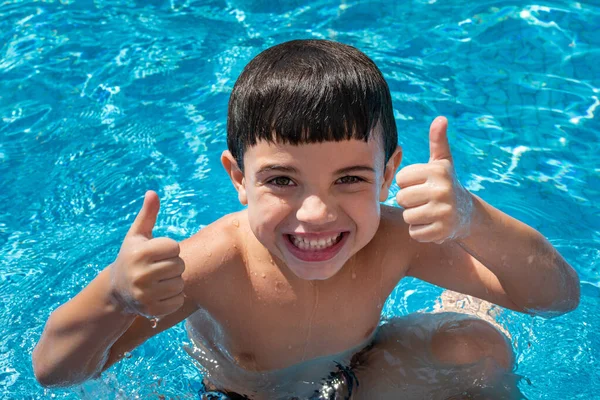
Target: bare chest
pixel 269 324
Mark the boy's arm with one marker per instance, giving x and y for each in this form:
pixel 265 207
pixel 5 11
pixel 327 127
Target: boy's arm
pixel 146 279
pixel 471 247
pixel 93 330
pixel 504 261
pixel 90 332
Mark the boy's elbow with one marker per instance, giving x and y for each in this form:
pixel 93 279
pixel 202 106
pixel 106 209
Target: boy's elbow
pixel 50 376
pixel 572 302
pixel 573 291
pixel 44 378
pixel 567 302
pixel 41 371
pixel 49 379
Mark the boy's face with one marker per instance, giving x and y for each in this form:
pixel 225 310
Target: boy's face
pixel 314 205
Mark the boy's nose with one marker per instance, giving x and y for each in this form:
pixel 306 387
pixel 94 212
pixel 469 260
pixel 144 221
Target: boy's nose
pixel 314 210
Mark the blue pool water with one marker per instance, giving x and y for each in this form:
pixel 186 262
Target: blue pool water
pixel 101 100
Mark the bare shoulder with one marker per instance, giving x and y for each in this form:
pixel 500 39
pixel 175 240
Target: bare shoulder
pixel 214 256
pixel 393 231
pixel 392 245
pixel 391 218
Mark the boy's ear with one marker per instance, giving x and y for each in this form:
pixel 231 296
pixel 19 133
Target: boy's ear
pixel 390 171
pixel 235 174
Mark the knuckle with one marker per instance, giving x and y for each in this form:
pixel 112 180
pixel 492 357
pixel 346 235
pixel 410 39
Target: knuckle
pixel 175 246
pixel 445 210
pixel 169 245
pixel 408 216
pixel 443 169
pixel 136 277
pixel 400 198
pixel 181 265
pixel 137 253
pixel 417 236
pixel 442 190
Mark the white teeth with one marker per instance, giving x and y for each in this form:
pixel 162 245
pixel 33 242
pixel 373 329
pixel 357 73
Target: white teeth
pixel 306 244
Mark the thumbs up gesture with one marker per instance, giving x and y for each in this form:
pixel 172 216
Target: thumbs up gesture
pixel 146 277
pixel 436 206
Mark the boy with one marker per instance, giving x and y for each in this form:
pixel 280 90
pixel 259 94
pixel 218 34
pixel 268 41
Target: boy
pixel 283 299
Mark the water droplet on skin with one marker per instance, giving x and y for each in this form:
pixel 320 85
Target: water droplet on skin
pixel 290 347
pixel 353 275
pixel 209 254
pixel 127 354
pixel 264 275
pixel 236 223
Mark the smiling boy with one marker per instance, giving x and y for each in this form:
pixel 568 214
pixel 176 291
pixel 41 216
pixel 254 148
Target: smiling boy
pixel 283 299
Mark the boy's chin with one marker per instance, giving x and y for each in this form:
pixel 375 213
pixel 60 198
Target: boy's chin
pixel 314 273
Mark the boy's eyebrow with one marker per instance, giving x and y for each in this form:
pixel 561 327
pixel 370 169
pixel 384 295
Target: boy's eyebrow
pixel 276 167
pixel 291 170
pixel 354 168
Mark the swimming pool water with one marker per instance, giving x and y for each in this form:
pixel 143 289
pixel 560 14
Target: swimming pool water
pixel 101 100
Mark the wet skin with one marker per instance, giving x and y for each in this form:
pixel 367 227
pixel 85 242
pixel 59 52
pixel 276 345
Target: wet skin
pixel 290 310
pixel 273 316
pixel 270 335
pixel 280 292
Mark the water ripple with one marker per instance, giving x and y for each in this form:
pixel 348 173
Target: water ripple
pixel 102 100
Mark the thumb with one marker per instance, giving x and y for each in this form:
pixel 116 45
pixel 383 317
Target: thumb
pixel 146 218
pixel 439 148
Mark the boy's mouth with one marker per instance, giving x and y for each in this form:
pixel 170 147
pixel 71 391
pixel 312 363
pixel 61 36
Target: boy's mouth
pixel 314 250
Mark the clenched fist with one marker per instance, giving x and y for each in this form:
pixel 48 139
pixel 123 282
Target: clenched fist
pixel 436 206
pixel 146 276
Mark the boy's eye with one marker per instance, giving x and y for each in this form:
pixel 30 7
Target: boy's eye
pixel 350 179
pixel 281 181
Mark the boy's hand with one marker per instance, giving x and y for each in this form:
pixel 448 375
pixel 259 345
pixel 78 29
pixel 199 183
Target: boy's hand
pixel 436 206
pixel 146 276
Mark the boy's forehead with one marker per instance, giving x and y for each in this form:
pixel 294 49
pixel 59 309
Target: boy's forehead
pixel 333 153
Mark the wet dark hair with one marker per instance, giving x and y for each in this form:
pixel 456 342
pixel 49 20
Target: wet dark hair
pixel 309 91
